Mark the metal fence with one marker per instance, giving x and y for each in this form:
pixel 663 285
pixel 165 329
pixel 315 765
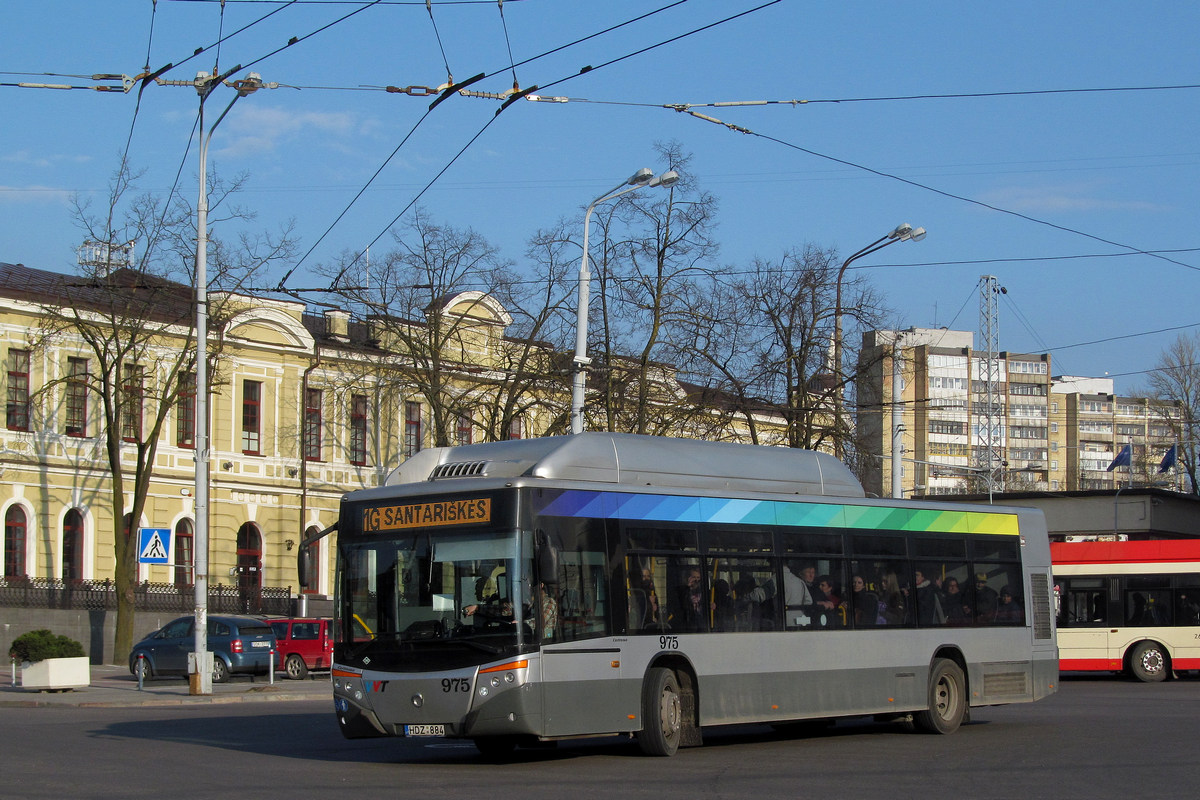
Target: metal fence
pixel 163 597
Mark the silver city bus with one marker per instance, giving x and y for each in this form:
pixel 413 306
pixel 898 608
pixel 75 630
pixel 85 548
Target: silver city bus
pixel 544 589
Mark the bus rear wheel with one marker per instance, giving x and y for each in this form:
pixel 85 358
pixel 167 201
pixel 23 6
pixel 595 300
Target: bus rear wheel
pixel 947 699
pixel 1148 662
pixel 662 714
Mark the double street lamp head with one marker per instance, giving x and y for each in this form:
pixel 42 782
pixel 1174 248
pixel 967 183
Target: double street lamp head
pixel 905 232
pixel 646 177
pixel 641 177
pixel 668 178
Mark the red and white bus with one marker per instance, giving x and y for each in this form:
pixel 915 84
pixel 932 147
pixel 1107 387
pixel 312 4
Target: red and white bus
pixel 1131 607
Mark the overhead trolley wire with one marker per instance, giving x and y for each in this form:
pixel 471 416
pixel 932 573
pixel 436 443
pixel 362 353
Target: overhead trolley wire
pixel 437 35
pixel 459 88
pixel 942 192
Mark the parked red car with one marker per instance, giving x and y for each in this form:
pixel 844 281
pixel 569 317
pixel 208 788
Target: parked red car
pixel 303 645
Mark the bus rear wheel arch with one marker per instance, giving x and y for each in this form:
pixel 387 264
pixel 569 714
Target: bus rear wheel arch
pixel 1148 661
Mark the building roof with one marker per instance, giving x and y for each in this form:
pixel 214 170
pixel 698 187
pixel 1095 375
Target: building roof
pixel 140 293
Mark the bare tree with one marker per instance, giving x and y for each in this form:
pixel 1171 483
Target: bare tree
pixel 136 325
pixel 533 371
pixel 656 256
pixel 1175 383
pixel 438 305
pixel 764 338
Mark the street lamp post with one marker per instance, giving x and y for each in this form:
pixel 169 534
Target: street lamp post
pixel 643 177
pixel 902 233
pixel 200 677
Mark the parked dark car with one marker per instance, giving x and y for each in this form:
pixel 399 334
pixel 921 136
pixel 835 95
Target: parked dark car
pixel 238 644
pixel 303 644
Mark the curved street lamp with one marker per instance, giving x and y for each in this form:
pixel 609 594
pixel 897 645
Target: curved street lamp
pixel 201 679
pixel 901 233
pixel 643 177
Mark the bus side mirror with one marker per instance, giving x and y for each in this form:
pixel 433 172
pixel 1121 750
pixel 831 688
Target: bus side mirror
pixel 547 560
pixel 303 559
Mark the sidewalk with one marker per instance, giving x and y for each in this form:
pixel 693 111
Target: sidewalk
pixel 115 686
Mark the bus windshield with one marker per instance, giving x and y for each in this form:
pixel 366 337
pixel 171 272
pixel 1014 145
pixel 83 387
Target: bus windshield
pixel 431 599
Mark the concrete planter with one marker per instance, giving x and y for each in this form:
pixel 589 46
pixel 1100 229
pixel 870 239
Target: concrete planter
pixel 56 674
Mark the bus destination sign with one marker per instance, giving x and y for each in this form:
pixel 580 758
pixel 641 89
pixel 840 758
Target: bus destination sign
pixel 419 515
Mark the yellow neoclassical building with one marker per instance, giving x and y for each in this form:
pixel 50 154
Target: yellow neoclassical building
pixel 304 407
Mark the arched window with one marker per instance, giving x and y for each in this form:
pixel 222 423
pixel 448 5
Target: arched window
pixel 184 555
pixel 72 546
pixel 14 542
pixel 249 568
pixel 312 582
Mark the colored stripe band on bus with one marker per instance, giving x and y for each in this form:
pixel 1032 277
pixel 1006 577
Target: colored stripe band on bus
pixel 675 508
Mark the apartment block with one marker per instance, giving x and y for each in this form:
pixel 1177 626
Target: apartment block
pixel 936 417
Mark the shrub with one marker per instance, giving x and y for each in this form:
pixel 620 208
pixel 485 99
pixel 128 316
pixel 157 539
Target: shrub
pixel 42 644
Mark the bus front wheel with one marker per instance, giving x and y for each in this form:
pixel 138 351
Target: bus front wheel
pixel 947 699
pixel 662 714
pixel 1148 662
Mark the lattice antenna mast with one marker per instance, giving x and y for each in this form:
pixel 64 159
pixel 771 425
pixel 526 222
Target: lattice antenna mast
pixel 991 416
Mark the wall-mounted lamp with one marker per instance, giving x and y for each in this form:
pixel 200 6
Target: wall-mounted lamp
pixel 233 571
pixel 226 465
pixel 289 543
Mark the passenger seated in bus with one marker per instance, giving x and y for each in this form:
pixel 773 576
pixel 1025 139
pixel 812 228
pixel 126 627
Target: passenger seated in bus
pixel 690 611
pixel 864 605
pixel 1008 609
pixel 549 609
pixel 643 602
pixel 1187 608
pixel 826 587
pixel 831 612
pixel 957 610
pixel 1099 607
pixel 985 599
pixel 892 610
pixel 929 605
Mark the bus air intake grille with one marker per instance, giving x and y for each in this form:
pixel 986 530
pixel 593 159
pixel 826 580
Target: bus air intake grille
pixel 1040 587
pixel 460 469
pixel 1005 684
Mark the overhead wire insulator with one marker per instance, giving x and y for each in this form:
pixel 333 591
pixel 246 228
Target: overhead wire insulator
pixel 414 91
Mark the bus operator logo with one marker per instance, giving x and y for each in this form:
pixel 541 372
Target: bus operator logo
pixel 418 515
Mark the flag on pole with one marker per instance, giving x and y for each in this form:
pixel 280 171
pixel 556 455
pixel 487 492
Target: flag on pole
pixel 1168 460
pixel 1123 459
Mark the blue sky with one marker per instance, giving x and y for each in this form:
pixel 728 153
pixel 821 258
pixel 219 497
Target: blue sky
pixel 1054 192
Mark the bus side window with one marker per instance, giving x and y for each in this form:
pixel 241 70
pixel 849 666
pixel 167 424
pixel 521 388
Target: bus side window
pixel 1098 608
pixel 1187 606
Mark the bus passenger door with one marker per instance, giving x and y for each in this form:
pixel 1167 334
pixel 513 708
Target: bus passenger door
pixel 582 690
pixel 1085 628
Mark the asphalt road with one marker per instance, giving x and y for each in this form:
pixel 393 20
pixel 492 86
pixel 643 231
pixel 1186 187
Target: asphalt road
pixel 1095 739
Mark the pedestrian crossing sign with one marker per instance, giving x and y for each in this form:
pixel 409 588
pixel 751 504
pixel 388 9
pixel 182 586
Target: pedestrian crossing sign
pixel 154 545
